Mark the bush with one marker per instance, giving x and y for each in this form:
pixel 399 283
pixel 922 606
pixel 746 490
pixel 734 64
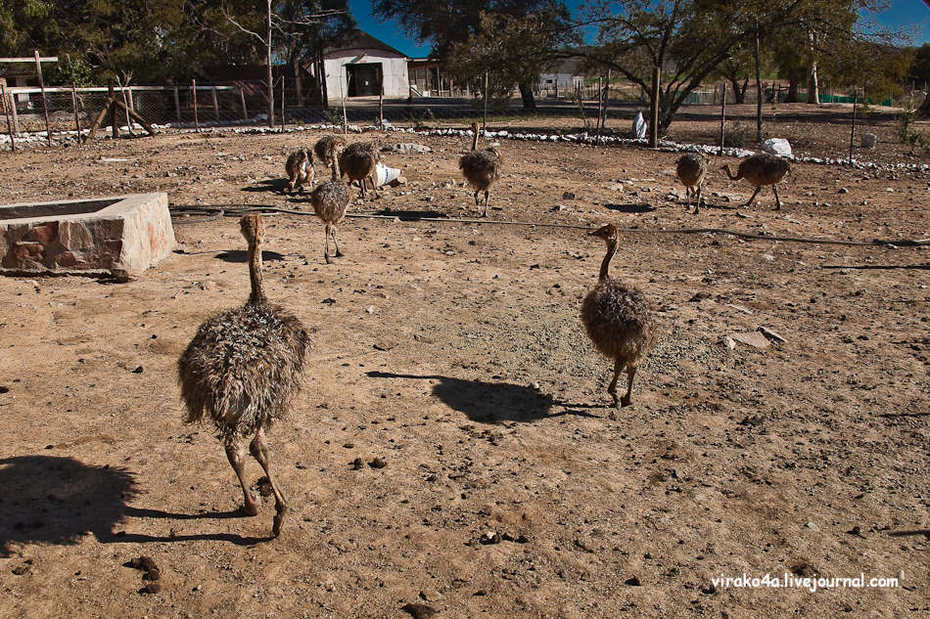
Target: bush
pixel 907 135
pixel 736 135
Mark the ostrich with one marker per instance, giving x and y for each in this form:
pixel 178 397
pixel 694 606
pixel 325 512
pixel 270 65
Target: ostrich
pixel 481 168
pixel 327 147
pixel 243 368
pixel 330 200
pixel 358 161
pixel 617 319
pixel 761 169
pixel 299 168
pixel 691 170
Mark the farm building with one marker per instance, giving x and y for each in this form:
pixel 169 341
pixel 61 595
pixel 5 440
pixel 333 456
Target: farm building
pixel 564 77
pixel 357 64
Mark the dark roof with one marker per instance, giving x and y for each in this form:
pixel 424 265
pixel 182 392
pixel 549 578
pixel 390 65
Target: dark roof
pixel 358 39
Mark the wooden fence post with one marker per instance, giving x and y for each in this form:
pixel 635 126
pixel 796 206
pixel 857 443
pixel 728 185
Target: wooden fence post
pixel 48 129
pixel 245 110
pixel 177 105
pixel 852 132
pixel 9 125
pixel 723 118
pixel 77 117
pixel 216 105
pixel 654 121
pixel 485 125
pixel 114 124
pixel 194 94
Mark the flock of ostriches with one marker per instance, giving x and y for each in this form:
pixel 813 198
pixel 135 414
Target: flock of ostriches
pixel 245 365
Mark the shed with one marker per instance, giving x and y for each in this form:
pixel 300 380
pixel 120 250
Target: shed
pixel 357 65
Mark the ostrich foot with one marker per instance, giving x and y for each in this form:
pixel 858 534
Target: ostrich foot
pixel 280 513
pixel 625 401
pixel 249 508
pixel 339 254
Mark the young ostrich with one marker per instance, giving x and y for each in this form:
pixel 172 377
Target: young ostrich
pixel 327 147
pixel 761 169
pixel 358 161
pixel 243 368
pixel 691 170
pixel 330 200
pixel 481 168
pixel 617 320
pixel 299 169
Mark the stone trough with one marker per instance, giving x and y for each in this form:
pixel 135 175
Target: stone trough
pixel 120 235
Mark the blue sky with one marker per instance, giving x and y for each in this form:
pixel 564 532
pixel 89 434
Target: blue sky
pixel 912 16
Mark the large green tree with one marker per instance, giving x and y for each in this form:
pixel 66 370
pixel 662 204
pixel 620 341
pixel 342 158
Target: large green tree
pixel 451 24
pixel 513 50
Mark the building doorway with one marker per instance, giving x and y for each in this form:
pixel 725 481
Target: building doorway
pixel 364 79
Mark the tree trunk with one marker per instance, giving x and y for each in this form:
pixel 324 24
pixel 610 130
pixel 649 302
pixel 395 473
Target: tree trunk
pixel 792 96
pixel 757 54
pixel 739 93
pixel 526 94
pixel 813 87
pixel 924 110
pixel 270 78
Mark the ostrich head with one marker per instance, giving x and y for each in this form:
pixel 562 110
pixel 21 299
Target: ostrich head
pixel 253 229
pixel 608 233
pixel 474 127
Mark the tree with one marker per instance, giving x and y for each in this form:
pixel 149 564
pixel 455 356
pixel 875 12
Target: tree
pixel 449 23
pixel 686 39
pixel 513 50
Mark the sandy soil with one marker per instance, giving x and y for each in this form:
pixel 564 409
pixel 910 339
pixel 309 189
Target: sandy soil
pixel 454 351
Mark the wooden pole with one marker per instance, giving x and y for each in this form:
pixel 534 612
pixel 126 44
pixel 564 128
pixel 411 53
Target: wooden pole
pixel 485 125
pixel 345 120
pixel 245 110
pixel 13 113
pixel 194 95
pixel 132 102
pixel 600 103
pixel 6 109
pixel 122 92
pixel 270 76
pixel 852 132
pixel 381 100
pixel 283 119
pixel 114 124
pixel 723 117
pixel 77 117
pixel 177 105
pixel 654 121
pixel 48 130
pixel 216 105
pixel 758 88
pixel 99 118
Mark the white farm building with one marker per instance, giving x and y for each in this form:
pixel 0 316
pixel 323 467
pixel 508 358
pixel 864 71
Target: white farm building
pixel 358 64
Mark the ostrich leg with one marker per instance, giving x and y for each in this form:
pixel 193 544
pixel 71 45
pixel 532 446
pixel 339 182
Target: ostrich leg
pixel 612 387
pixel 326 230
pixel 234 453
pixel 339 254
pixel 487 197
pixel 777 201
pixel 259 451
pixel 753 197
pixel 625 400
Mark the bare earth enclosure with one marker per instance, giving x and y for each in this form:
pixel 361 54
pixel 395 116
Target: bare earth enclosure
pixel 454 352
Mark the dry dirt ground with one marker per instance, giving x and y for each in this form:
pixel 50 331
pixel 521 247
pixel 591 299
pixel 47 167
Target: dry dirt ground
pixel 454 352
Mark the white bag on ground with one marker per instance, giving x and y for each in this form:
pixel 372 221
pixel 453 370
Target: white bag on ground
pixel 639 126
pixel 385 174
pixel 777 146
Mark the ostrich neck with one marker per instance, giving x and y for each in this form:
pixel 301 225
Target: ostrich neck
pixel 474 141
pixel 255 274
pixel 605 264
pixel 335 166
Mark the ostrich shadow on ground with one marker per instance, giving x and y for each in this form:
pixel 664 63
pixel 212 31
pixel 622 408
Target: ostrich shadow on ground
pixel 631 208
pixel 240 256
pixel 58 501
pixel 492 403
pixel 272 185
pixel 411 215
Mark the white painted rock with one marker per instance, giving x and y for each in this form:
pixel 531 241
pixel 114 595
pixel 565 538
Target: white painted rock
pixel 639 126
pixel 406 148
pixel 777 146
pixel 869 140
